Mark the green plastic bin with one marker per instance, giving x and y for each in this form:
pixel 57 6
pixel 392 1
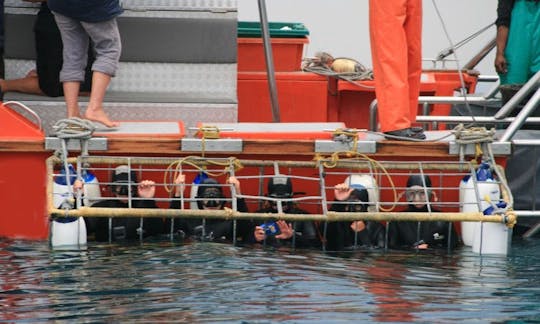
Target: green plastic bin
pixel 277 29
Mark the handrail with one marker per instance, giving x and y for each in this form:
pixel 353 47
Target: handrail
pixel 436 100
pixel 477 119
pixel 38 122
pixel 330 216
pixel 522 117
pixel 519 96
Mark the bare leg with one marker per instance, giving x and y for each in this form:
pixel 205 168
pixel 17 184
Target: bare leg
pixel 71 96
pixel 28 84
pixel 95 112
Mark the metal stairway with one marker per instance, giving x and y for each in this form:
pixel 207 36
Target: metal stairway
pixel 178 62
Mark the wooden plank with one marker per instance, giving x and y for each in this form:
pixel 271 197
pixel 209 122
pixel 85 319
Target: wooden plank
pixel 22 146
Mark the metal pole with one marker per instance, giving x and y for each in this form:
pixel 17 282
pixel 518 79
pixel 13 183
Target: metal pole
pixel 518 97
pixel 521 117
pixel 480 55
pixel 269 62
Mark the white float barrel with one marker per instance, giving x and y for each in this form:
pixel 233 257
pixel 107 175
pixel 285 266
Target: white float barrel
pixel 70 233
pixel 371 186
pixel 92 192
pixel 469 203
pixel 491 238
pixel 60 194
pixel 61 186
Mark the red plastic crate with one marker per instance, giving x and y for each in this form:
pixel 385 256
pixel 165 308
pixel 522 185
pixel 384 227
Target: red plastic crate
pixel 287 54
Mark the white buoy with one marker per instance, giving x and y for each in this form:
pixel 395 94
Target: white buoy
pixel 69 233
pixel 468 202
pixel 371 186
pixel 92 192
pixel 491 238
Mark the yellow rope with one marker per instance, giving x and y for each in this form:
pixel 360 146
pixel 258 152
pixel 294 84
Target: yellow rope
pixel 353 155
pixel 351 134
pixel 198 163
pixel 209 132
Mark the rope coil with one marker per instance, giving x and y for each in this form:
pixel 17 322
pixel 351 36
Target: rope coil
pixel 74 128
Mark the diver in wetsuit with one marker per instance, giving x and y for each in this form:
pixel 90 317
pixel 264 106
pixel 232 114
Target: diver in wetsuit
pixel 210 197
pixel 421 235
pixel 128 228
pixel 304 233
pixel 347 235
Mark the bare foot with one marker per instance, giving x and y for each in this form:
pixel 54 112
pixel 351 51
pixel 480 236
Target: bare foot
pixel 101 117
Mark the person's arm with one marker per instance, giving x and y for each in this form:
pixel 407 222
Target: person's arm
pixel 504 11
pixel 180 184
pixel 500 59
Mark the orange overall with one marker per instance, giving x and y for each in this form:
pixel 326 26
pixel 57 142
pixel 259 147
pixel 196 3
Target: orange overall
pixel 396 49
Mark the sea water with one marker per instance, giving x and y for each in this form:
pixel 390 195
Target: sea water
pixel 207 283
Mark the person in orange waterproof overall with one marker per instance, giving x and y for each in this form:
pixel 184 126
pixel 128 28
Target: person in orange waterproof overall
pixel 396 46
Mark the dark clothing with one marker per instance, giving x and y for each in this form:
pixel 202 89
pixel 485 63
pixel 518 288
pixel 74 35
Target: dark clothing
pixel 2 72
pixel 2 27
pixel 49 55
pixel 504 12
pixel 340 236
pixel 87 10
pixel 409 234
pixel 306 234
pixel 124 228
pixel 216 230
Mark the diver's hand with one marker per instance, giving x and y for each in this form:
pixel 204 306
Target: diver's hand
pixel 146 189
pixel 342 191
pixel 180 182
pixel 286 230
pixel 259 234
pixel 358 226
pixel 234 181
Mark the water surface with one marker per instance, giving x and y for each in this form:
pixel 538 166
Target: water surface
pixel 209 282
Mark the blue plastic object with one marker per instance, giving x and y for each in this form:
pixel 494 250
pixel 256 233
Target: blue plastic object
pixel 61 179
pixel 271 228
pixel 200 177
pixel 490 209
pixel 484 172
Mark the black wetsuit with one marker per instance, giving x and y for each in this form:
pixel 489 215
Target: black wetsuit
pixel 306 233
pixel 124 228
pixel 409 234
pixel 340 236
pixel 216 230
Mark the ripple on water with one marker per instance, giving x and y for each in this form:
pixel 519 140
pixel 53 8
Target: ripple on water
pixel 206 282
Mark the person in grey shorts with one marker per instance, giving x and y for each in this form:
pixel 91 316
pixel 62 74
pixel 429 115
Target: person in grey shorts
pixel 78 20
